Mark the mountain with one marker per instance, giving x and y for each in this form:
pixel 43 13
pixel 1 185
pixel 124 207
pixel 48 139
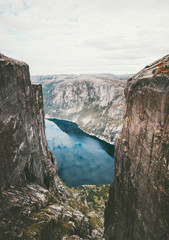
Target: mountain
pixel 138 206
pixel 94 101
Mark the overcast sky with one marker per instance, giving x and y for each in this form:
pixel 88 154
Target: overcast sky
pixel 84 36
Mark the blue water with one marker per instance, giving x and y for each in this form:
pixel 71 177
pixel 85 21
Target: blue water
pixel 80 159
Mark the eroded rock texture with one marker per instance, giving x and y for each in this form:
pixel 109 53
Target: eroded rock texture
pixel 138 206
pixel 22 136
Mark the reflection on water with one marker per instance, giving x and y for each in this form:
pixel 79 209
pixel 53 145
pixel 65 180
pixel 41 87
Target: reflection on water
pixel 80 159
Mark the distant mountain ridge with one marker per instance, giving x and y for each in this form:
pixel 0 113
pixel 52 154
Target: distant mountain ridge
pixel 38 77
pixel 94 101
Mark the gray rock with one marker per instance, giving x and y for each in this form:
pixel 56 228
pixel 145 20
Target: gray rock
pixel 22 133
pixel 138 206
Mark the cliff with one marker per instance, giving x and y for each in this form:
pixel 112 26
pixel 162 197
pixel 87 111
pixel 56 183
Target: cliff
pixel 34 203
pixel 94 102
pixel 23 141
pixel 138 206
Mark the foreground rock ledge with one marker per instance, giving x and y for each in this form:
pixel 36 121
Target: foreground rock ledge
pixel 138 206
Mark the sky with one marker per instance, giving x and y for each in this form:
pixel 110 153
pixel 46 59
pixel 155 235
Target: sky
pixel 84 36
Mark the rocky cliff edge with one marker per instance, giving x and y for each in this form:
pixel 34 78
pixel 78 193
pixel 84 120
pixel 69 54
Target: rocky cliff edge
pixel 138 206
pixel 22 131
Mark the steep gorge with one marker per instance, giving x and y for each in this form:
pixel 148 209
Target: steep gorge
pixel 35 204
pixel 138 206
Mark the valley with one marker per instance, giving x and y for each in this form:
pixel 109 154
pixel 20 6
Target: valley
pixel 94 101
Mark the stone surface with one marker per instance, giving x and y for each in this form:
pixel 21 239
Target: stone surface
pixel 94 102
pixel 138 206
pixel 33 212
pixel 22 134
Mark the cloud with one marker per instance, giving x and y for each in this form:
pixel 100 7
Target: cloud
pixel 78 36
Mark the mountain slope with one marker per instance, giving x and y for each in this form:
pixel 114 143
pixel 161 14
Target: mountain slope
pixel 94 102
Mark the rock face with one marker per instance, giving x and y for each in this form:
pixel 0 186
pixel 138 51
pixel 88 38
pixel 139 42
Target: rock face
pixel 138 206
pixel 94 102
pixel 34 203
pixel 23 142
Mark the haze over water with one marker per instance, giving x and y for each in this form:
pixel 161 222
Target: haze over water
pixel 80 159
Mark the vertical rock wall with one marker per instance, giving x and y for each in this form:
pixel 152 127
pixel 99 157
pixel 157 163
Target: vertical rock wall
pixel 22 133
pixel 138 206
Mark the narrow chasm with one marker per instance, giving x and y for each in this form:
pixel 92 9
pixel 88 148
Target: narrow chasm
pixel 82 159
pixel 85 164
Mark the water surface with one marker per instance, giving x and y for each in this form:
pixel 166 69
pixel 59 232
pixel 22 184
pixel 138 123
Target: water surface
pixel 80 159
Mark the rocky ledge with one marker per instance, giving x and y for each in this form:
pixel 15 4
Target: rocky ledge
pixel 138 206
pixel 33 212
